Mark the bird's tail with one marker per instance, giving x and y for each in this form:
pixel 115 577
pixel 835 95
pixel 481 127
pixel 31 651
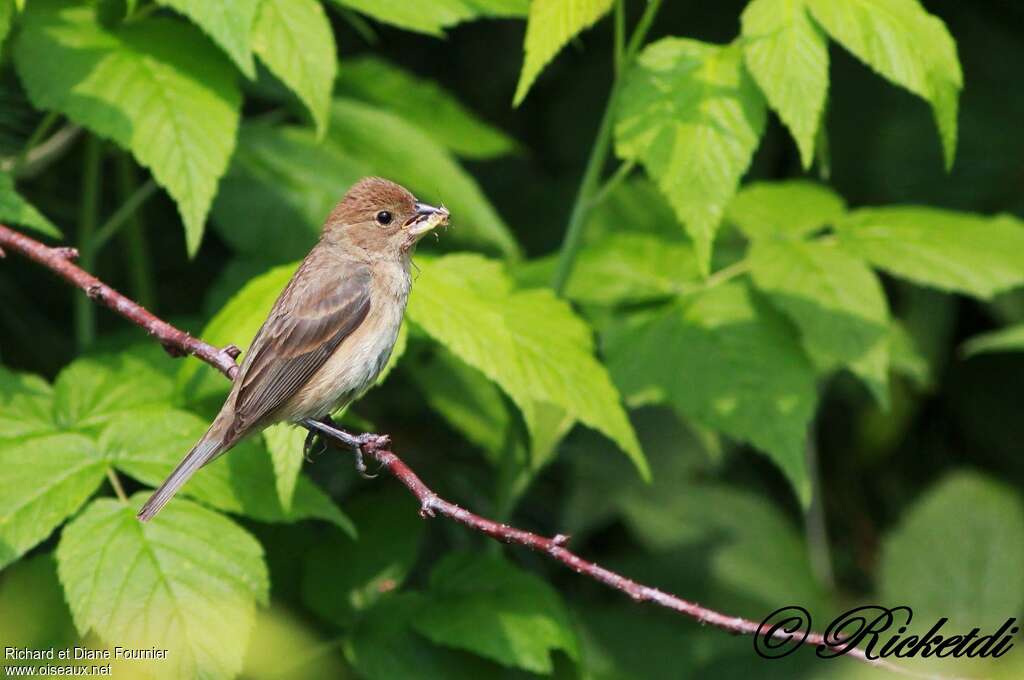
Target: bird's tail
pixel 206 449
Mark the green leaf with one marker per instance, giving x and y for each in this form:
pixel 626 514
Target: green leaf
pixel 294 39
pixel 957 553
pixel 791 208
pixel 835 300
pixel 529 343
pixel 392 147
pixel 552 24
pixel 485 605
pixel 788 56
pixel 953 251
pixel 175 105
pixel 907 46
pixel 280 187
pixel 345 576
pixel 187 583
pixel 16 210
pixel 384 646
pixel 285 442
pixel 432 18
pixel 735 367
pixel 44 480
pixel 229 25
pixel 692 116
pixel 26 405
pixel 628 268
pixel 148 444
pixel 90 392
pixel 1009 339
pixel 425 104
pixel 35 614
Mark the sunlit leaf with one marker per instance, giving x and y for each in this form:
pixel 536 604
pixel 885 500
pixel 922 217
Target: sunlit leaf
pixel 1009 339
pixel 228 24
pixel 552 24
pixel 187 583
pixel 906 45
pixel 953 251
pixel 788 56
pixel 791 208
pixel 175 105
pixel 294 39
pixel 693 117
pixel 43 480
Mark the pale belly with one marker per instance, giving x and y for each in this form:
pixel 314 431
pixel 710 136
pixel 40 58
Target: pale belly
pixel 350 371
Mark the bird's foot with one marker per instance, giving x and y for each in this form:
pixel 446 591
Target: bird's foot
pixel 370 443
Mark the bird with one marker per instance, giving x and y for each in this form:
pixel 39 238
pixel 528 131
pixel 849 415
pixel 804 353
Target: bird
pixel 331 330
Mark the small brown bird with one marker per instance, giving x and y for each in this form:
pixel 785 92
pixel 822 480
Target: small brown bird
pixel 331 330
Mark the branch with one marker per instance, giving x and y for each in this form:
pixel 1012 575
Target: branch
pixel 179 343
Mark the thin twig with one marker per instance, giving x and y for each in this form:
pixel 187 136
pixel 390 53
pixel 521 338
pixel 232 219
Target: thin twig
pixel 179 343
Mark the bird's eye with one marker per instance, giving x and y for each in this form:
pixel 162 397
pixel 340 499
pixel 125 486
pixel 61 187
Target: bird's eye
pixel 383 218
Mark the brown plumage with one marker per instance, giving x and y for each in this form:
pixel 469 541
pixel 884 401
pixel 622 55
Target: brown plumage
pixel 331 330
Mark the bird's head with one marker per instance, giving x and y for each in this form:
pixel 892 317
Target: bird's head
pixel 382 217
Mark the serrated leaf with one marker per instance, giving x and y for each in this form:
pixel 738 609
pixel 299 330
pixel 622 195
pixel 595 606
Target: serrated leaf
pixel 552 24
pixel 692 116
pixel 788 56
pixel 432 18
pixel 285 442
pixel 188 583
pixel 954 251
pixel 16 210
pixel 228 24
pixel 791 208
pixel 485 605
pixel 736 367
pixel 392 147
pixel 175 106
pixel 1009 339
pixel 43 480
pixel 26 405
pixel 280 187
pixel 91 391
pixel 907 46
pixel 835 300
pixel 148 444
pixel 425 104
pixel 529 343
pixel 956 554
pixel 345 576
pixel 294 39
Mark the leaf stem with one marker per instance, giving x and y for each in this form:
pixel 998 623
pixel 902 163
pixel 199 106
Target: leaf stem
pixel 122 215
pixel 48 121
pixel 85 311
pixel 727 273
pixel 115 482
pixel 620 35
pixel 621 173
pixel 596 161
pixel 136 246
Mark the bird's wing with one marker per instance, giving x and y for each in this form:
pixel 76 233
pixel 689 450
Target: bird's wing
pixel 309 321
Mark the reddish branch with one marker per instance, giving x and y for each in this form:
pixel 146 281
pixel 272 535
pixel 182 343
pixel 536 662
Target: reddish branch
pixel 180 343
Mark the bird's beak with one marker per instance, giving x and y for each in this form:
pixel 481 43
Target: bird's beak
pixel 425 218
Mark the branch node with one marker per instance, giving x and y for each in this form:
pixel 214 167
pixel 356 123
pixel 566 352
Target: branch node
pixel 93 290
pixel 172 349
pixel 427 505
pixel 232 351
pixel 560 540
pixel 66 253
